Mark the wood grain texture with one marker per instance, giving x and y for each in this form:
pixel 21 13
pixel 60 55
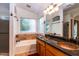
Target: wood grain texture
pixel 43 49
pixel 54 51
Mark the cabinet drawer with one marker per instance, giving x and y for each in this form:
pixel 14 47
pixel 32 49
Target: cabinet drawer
pixel 54 51
pixel 41 42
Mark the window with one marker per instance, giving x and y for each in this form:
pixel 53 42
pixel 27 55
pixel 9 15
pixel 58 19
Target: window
pixel 27 25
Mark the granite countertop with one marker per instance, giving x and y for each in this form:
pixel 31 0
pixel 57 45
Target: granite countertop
pixel 53 43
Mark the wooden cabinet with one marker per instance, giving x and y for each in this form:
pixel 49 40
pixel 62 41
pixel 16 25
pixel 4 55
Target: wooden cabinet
pixel 54 51
pixel 40 48
pixel 43 49
pixel 48 53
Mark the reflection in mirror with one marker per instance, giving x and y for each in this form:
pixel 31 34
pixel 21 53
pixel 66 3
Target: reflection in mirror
pixel 66 29
pixel 47 27
pixel 76 28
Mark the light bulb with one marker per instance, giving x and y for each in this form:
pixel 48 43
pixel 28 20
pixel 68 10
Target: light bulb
pixel 56 9
pixel 51 7
pixel 52 11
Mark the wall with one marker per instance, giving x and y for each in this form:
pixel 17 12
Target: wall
pixel 23 13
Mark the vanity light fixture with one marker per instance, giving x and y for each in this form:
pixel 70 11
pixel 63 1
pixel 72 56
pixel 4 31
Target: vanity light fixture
pixel 52 11
pixel 52 8
pixel 45 11
pixel 56 9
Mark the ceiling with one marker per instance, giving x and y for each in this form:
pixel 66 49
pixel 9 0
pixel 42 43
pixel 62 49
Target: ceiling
pixel 37 8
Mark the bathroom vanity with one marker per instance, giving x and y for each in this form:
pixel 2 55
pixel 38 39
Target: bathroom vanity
pixel 56 46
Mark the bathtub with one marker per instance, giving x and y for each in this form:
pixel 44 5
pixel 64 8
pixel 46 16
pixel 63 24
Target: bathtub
pixel 26 46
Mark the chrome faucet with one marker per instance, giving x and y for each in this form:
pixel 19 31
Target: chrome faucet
pixel 76 38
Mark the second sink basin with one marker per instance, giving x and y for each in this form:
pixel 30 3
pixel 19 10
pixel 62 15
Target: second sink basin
pixel 68 45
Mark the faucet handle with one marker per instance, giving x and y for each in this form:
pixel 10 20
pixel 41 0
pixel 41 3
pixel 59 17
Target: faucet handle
pixel 76 37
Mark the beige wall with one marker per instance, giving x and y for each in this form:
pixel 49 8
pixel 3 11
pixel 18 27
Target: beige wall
pixel 25 13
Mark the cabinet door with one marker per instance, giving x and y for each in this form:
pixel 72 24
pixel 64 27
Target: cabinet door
pixel 54 51
pixel 38 48
pixel 42 50
pixel 49 53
